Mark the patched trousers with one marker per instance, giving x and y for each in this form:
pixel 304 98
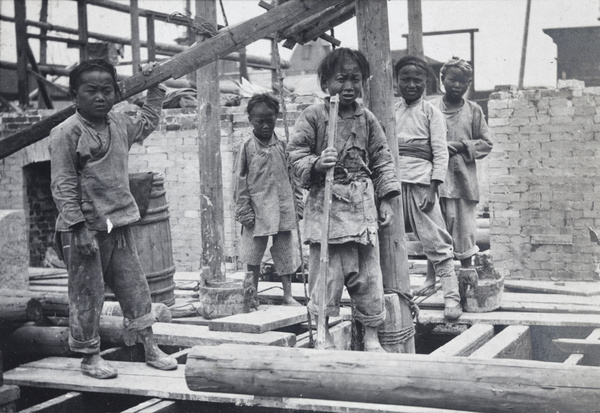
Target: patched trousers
pixel 461 223
pixel 117 264
pixel 356 266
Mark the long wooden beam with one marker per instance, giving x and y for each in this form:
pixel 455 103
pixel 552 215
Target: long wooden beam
pixel 226 41
pixel 496 385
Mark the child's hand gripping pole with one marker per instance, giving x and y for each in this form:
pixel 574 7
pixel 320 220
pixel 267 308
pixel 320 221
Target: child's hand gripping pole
pixel 324 262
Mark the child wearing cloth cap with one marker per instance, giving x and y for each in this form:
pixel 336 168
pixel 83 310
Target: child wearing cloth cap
pixel 423 160
pixel 468 139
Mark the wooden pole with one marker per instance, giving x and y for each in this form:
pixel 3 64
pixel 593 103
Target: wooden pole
pixel 415 28
pixel 82 29
pixel 243 64
pixel 524 47
pixel 41 85
pixel 324 259
pixel 21 37
pixel 43 43
pixel 209 134
pixel 19 309
pixel 373 29
pixel 460 383
pixel 224 43
pixel 472 45
pixel 151 37
pixel 135 36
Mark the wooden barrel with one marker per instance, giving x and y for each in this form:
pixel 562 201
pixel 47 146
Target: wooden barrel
pixel 154 246
pixel 224 298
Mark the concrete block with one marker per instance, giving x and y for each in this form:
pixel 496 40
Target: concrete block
pixel 14 250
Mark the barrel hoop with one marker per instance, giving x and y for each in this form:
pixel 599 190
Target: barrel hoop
pixel 147 220
pixel 161 273
pixel 156 210
pixel 163 290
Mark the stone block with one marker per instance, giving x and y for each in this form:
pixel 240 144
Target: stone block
pixel 570 84
pixel 14 250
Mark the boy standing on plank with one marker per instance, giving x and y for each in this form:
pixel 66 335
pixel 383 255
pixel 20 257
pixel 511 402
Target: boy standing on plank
pixel 264 198
pixel 423 160
pixel 468 139
pixel 364 177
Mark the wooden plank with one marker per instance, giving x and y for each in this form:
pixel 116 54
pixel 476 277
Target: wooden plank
pixel 341 334
pixel 584 288
pixel 496 385
pixel 266 318
pixel 514 342
pixel 543 303
pixel 466 343
pixel 574 359
pixel 578 346
pixel 154 406
pixel 140 380
pixel 513 318
pixel 69 402
pixel 187 336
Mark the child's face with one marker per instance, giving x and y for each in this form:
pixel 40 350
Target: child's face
pixel 412 81
pixel 262 118
pixel 95 95
pixel 455 83
pixel 346 81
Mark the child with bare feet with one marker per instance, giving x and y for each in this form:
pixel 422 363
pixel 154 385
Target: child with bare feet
pixel 264 197
pixel 364 183
pixel 89 156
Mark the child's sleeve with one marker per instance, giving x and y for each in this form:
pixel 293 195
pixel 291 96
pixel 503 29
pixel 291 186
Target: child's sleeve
pixel 148 117
pixel 301 150
pixel 481 145
pixel 439 144
pixel 381 161
pixel 244 213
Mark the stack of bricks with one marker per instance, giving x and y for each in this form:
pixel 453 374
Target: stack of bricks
pixel 543 179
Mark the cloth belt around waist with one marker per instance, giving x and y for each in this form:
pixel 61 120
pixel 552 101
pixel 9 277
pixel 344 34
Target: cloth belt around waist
pixel 416 150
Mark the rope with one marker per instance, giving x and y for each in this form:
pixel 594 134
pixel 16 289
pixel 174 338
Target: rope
pixel 223 12
pixel 277 58
pixel 395 337
pixel 414 308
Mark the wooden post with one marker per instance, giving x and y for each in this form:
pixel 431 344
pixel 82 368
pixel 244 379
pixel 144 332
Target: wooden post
pixel 21 37
pixel 151 37
pixel 472 44
pixel 82 29
pixel 524 47
pixel 135 36
pixel 372 23
pixel 209 134
pixel 43 42
pixel 415 28
pixel 243 65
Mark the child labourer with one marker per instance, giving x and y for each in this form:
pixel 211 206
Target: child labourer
pixel 468 139
pixel 364 177
pixel 89 166
pixel 423 160
pixel 264 197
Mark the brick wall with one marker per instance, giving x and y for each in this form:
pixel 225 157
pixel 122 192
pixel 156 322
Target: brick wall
pixel 544 182
pixel 172 150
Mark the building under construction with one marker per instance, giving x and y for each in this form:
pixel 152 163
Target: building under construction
pixel 529 340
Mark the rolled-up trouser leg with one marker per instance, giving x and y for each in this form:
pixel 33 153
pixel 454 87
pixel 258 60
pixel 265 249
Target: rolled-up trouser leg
pixel 461 223
pixel 335 281
pixel 126 278
pixel 86 295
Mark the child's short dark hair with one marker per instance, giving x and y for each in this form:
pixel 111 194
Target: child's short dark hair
pixel 265 98
pixel 327 65
pixel 89 65
pixel 411 60
pixel 460 64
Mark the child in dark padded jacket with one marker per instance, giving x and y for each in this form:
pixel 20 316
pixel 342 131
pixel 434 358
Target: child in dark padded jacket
pixel 364 177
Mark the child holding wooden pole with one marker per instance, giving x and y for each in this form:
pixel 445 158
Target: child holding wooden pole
pixel 264 197
pixel 364 177
pixel 423 160
pixel 468 139
pixel 89 155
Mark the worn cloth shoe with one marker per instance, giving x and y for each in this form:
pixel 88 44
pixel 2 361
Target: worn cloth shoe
pixel 161 362
pixel 452 307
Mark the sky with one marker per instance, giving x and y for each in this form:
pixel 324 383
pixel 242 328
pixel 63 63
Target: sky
pixel 497 44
